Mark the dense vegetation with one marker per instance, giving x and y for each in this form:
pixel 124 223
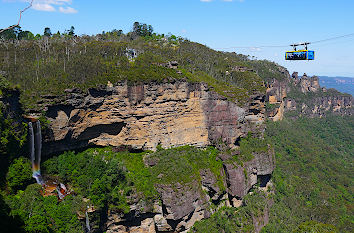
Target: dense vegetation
pixel 313 176
pixel 12 131
pixel 48 64
pixel 95 174
pixel 313 181
pixel 228 219
pixel 12 139
pixel 106 179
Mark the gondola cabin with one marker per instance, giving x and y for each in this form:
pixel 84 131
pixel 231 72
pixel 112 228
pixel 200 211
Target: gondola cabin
pixel 300 55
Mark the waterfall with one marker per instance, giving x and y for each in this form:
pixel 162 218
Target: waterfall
pixel 35 140
pixel 31 142
pixel 38 142
pixel 88 228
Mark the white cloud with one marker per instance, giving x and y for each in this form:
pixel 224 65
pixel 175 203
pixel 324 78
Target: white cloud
pixel 51 5
pixel 43 7
pixel 67 10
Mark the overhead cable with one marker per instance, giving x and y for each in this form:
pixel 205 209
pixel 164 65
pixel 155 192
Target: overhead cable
pixel 283 46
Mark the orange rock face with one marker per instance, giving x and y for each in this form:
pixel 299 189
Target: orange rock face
pixel 144 116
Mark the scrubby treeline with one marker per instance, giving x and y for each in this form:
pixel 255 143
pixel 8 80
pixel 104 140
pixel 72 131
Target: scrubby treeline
pixel 49 64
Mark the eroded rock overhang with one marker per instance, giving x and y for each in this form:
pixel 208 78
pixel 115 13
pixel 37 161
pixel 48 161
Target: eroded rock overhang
pixel 147 115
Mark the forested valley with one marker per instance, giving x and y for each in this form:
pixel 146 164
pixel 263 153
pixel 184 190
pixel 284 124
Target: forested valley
pixel 310 188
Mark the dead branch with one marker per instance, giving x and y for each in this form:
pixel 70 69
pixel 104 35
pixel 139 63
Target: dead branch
pixel 19 20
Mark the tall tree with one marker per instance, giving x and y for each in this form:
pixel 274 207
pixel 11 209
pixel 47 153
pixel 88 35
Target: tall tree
pixel 150 30
pixel 47 32
pixel 25 35
pixel 72 31
pixel 136 27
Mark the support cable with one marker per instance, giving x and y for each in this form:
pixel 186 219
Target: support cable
pixel 283 46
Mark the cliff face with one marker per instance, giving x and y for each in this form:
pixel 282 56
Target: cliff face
pixel 144 116
pixel 181 205
pixel 321 106
pixel 276 95
pixel 304 97
pixel 141 117
pixel 173 114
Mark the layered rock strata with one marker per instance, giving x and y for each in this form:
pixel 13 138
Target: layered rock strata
pixel 314 102
pixel 147 115
pixel 170 114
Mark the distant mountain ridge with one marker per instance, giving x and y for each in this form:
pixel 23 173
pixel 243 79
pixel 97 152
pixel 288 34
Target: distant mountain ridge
pixel 342 84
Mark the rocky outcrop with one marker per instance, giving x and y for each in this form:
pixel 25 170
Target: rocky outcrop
pixel 143 116
pixel 240 179
pixel 304 97
pixel 309 84
pixel 169 114
pixel 276 94
pixel 181 205
pixel 321 106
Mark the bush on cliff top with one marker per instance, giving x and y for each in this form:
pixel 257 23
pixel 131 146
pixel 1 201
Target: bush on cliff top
pixel 90 62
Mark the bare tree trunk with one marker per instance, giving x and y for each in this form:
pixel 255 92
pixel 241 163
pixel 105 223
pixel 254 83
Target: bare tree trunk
pixel 37 70
pixel 15 54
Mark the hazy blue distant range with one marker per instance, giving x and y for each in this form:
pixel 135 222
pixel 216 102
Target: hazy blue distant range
pixel 342 84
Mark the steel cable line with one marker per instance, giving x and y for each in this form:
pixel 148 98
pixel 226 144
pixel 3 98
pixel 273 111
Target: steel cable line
pixel 283 46
pixel 333 38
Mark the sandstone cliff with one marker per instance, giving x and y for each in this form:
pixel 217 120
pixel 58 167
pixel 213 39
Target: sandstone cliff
pixel 144 116
pixel 170 114
pixel 178 113
pixel 303 96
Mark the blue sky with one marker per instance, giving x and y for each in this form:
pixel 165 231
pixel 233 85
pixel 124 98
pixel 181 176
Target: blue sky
pixel 215 23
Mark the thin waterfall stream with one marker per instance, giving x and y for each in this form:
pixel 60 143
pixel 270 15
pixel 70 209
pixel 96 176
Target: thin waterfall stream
pixel 88 228
pixel 35 140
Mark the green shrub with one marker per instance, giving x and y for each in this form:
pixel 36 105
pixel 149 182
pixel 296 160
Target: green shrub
pixel 19 174
pixel 231 220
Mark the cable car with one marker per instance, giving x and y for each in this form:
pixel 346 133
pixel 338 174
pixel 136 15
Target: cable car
pixel 304 54
pixel 300 55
